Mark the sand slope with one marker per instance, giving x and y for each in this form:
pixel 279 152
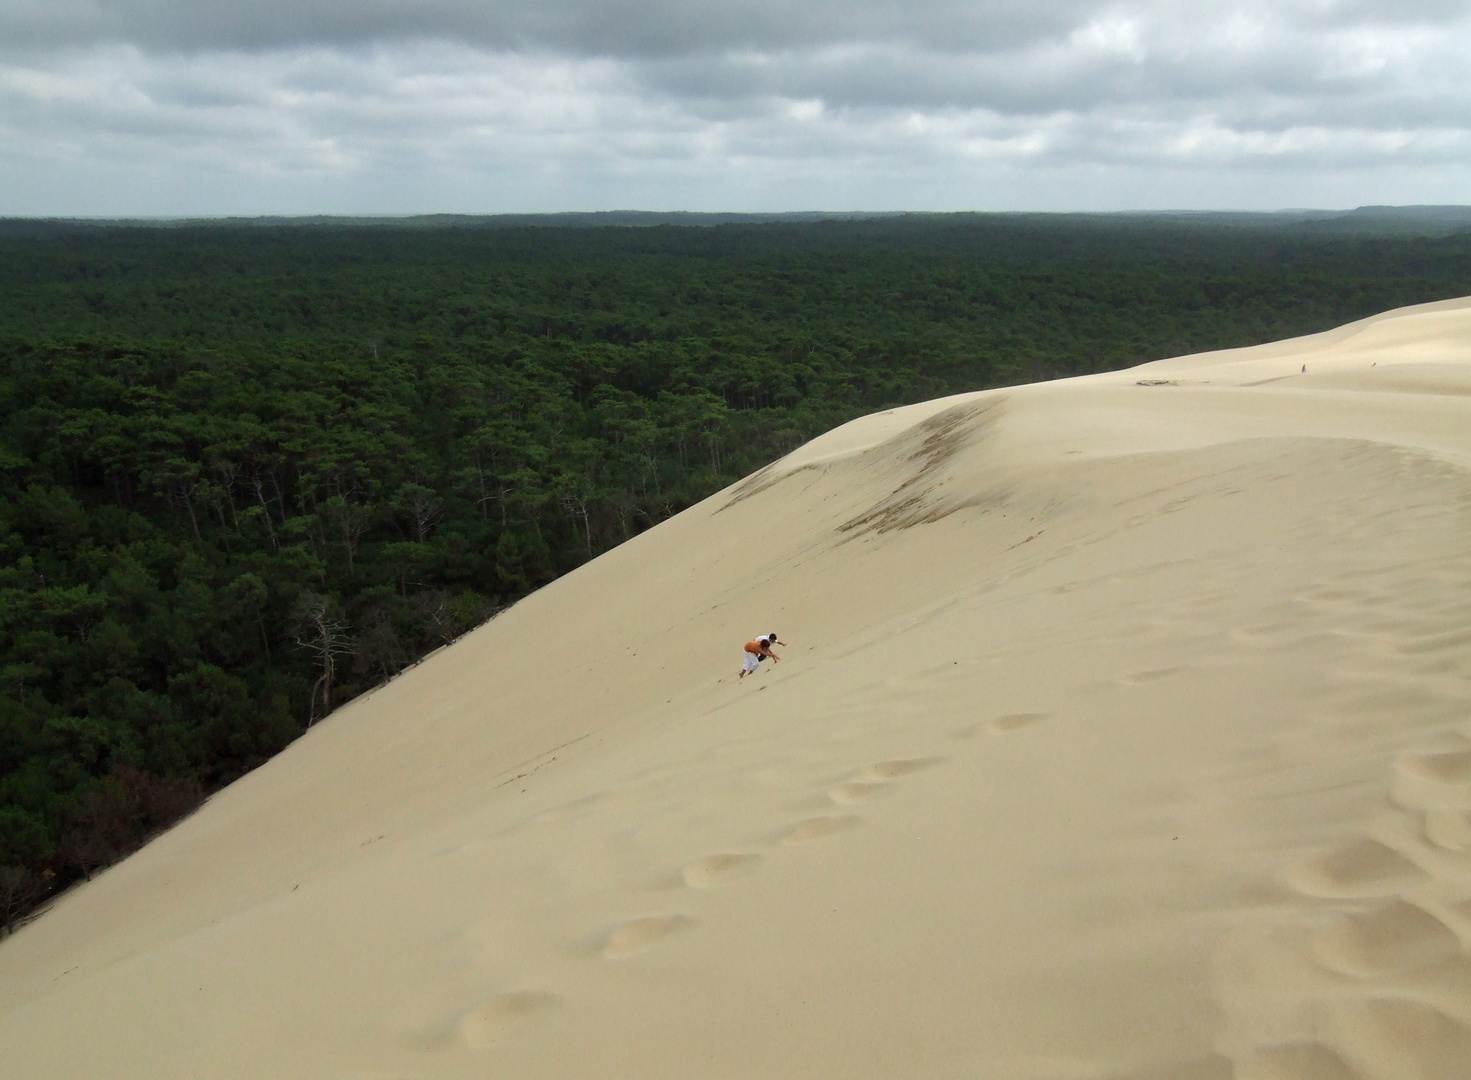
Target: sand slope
pixel 1123 733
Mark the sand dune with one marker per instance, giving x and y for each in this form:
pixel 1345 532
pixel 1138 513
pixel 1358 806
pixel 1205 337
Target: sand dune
pixel 1123 732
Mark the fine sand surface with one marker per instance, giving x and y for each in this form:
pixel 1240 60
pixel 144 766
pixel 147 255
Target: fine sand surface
pixel 1124 731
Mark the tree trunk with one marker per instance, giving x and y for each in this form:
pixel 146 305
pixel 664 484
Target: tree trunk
pixel 327 689
pixel 280 499
pixel 260 497
pixel 186 495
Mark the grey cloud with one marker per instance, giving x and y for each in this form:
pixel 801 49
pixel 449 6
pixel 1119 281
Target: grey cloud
pixel 342 106
pixel 1163 67
pixel 581 27
pixel 1008 56
pixel 574 105
pixel 1383 12
pixel 641 28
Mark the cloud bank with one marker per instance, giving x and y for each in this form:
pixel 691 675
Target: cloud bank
pixel 138 106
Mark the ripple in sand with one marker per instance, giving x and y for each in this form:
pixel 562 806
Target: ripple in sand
pixel 1294 1061
pixel 1456 640
pixel 1267 630
pixel 1210 1067
pixel 570 810
pixel 1395 1037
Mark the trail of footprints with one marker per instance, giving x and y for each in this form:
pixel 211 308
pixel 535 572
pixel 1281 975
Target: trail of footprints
pixel 1395 1002
pixel 1391 997
pixel 712 871
pixel 483 1025
pixel 1396 946
pixel 1394 951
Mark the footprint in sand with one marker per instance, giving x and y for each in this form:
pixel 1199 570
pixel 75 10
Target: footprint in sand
pixel 875 779
pixel 1360 870
pixel 1445 775
pixel 1139 678
pixel 636 935
pixel 816 828
pixel 1448 829
pixel 1396 1037
pixel 715 870
pixel 1000 725
pixel 856 792
pixel 1445 986
pixel 482 1025
pixel 1210 1067
pixel 1386 940
pixel 892 770
pixel 1294 1061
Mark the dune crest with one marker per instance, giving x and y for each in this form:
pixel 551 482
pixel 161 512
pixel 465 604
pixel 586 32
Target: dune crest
pixel 1124 732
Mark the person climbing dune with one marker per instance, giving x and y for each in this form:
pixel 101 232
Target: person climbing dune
pixel 757 650
pixel 771 643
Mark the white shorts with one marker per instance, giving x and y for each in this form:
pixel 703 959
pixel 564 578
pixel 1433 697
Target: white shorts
pixel 752 660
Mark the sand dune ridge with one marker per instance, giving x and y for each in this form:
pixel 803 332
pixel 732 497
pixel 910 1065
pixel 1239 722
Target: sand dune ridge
pixel 1124 733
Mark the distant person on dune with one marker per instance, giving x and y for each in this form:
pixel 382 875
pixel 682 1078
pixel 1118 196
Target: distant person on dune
pixel 758 650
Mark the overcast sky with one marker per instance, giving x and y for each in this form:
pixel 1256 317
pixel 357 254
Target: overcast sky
pixel 205 107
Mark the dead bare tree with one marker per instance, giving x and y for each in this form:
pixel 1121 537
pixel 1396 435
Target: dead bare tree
pixel 575 501
pixel 380 653
pixel 322 631
pixel 101 828
pixel 422 506
pixel 20 889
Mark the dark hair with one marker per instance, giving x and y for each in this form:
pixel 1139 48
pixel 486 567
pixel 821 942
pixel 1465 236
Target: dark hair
pixel 772 635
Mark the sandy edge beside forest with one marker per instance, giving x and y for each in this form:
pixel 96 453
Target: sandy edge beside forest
pixel 1123 732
